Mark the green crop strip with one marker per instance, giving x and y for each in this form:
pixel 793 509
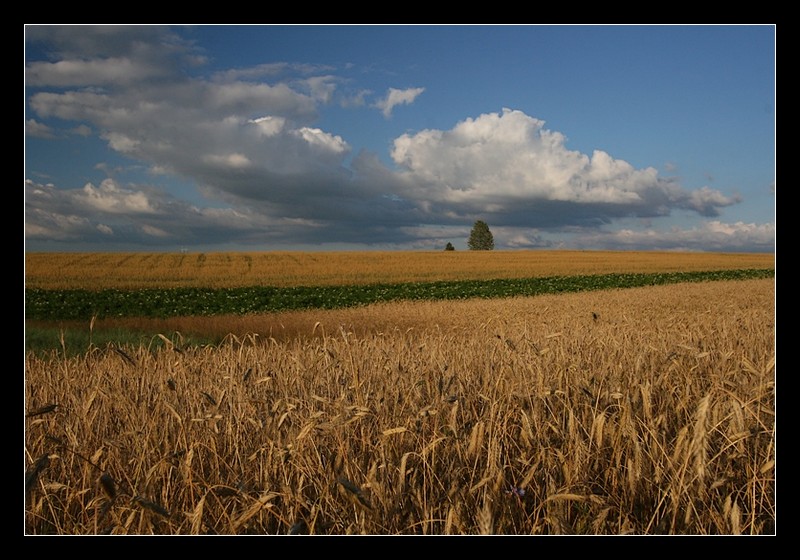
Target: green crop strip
pixel 172 302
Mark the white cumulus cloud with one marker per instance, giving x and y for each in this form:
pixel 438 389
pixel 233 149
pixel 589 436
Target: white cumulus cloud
pixel 504 162
pixel 320 139
pixel 110 198
pixel 37 129
pixel 395 97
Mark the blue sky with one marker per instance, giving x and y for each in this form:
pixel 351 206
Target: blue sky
pixel 218 138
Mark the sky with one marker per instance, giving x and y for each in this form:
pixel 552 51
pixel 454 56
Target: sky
pixel 384 137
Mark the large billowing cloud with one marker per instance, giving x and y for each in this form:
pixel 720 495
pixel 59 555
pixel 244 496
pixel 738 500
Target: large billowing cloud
pixel 508 164
pixel 249 139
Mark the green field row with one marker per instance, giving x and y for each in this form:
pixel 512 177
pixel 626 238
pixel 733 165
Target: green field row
pixel 55 305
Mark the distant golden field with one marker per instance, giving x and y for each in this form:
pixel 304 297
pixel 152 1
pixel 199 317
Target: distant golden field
pixel 281 269
pixel 638 411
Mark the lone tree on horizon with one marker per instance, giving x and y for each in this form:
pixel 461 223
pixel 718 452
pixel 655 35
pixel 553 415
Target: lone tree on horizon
pixel 480 239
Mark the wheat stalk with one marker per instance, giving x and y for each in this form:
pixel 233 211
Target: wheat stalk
pixel 699 445
pixel 486 519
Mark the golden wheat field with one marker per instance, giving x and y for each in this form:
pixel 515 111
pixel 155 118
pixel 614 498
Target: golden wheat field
pixel 225 270
pixel 640 411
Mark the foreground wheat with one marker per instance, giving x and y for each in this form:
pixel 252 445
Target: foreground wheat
pixel 646 411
